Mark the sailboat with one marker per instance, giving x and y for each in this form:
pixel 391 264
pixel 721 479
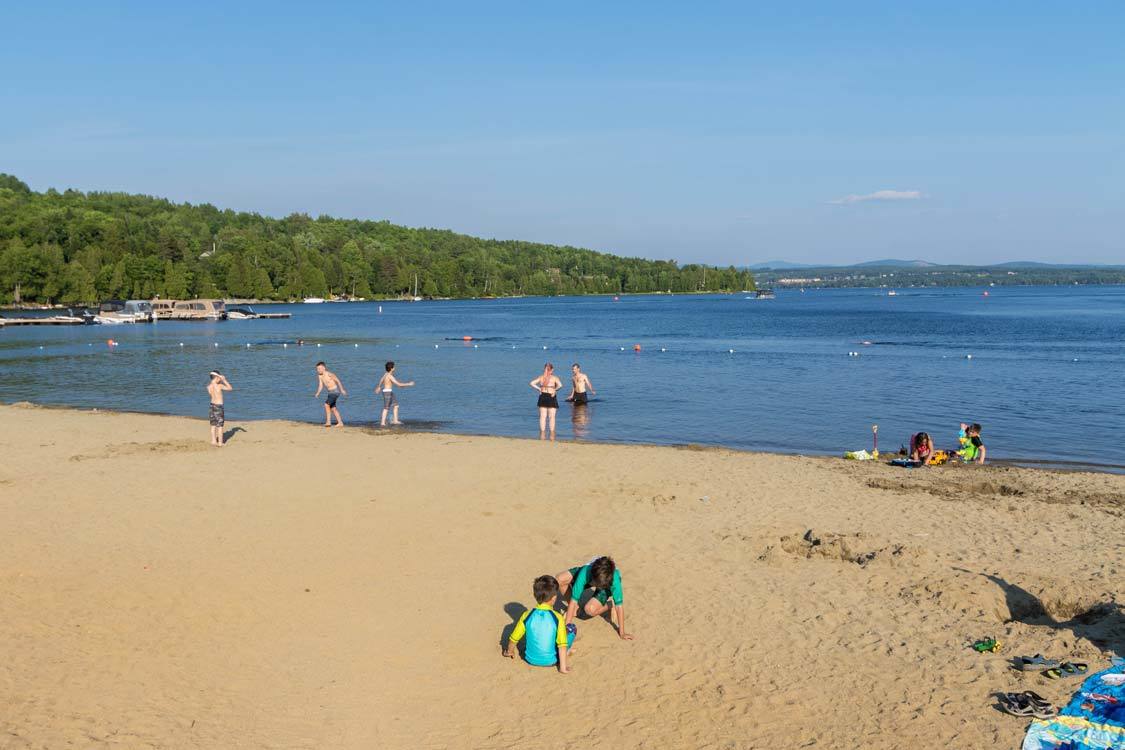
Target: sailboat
pixel 416 298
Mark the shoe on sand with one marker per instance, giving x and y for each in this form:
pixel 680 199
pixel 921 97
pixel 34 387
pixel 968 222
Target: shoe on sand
pixel 1035 663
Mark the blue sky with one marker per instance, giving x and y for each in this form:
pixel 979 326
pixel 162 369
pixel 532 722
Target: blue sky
pixel 719 132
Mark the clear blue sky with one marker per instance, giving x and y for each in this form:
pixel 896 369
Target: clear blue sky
pixel 721 132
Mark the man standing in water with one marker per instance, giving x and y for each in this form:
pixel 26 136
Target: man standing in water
pixel 217 417
pixel 579 385
pixel 328 381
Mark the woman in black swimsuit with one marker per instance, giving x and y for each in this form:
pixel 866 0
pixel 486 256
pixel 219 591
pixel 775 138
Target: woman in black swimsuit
pixel 548 386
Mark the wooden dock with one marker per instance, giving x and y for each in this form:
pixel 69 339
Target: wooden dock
pixel 54 320
pixel 274 315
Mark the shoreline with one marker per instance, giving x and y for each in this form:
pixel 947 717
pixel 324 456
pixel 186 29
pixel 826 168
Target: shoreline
pixel 370 427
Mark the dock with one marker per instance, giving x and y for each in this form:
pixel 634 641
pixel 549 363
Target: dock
pixel 274 315
pixel 54 320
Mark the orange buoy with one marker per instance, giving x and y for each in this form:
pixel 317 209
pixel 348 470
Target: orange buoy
pixel 466 338
pixel 636 347
pixel 110 343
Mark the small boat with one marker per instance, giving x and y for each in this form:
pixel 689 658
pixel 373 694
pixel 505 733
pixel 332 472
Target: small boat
pixel 314 300
pixel 81 313
pixel 761 294
pixel 199 309
pixel 162 309
pixel 241 312
pixel 892 293
pixel 113 312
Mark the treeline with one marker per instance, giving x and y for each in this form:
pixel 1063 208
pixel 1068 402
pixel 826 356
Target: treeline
pixel 941 276
pixel 75 248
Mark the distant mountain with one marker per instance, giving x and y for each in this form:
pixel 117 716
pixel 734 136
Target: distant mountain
pixel 890 262
pixel 780 265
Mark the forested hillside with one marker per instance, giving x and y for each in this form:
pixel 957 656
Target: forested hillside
pixel 74 247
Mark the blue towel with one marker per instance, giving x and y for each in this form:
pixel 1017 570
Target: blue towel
pixel 1094 719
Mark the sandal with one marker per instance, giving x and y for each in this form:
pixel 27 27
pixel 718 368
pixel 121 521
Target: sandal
pixel 1071 668
pixel 1035 663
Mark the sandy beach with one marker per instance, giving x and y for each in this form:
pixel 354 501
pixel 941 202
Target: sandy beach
pixel 312 588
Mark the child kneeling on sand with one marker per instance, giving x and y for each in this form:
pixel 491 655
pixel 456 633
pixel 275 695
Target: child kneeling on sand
pixel 602 577
pixel 544 629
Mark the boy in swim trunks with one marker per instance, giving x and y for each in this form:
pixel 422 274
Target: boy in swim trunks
pixel 548 638
pixel 216 416
pixel 579 384
pixel 328 381
pixel 385 387
pixel 601 577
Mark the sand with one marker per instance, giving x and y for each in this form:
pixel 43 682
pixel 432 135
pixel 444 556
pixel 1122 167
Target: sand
pixel 312 588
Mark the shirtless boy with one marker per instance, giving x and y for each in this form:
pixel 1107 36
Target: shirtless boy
pixel 386 387
pixel 217 417
pixel 327 381
pixel 579 385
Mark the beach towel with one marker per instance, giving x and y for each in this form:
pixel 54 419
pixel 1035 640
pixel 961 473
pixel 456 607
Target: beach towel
pixel 1094 719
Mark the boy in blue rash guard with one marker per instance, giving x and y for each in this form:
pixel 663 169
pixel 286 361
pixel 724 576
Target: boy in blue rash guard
pixel 548 637
pixel 602 576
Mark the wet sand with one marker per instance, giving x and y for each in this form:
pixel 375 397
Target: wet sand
pixel 312 588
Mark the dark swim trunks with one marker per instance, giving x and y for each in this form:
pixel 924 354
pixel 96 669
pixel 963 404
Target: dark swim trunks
pixel 389 400
pixel 330 399
pixel 216 416
pixel 548 401
pixel 580 398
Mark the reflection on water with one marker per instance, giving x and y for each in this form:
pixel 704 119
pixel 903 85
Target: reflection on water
pixel 580 419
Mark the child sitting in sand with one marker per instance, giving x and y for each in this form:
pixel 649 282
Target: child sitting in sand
pixel 603 579
pixel 548 638
pixel 972 447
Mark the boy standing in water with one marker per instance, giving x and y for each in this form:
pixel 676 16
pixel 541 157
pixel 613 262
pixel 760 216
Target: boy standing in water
pixel 328 381
pixel 579 385
pixel 217 416
pixel 385 387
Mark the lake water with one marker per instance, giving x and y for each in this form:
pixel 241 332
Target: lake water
pixel 1045 377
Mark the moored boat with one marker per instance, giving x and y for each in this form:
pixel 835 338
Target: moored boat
pixel 114 312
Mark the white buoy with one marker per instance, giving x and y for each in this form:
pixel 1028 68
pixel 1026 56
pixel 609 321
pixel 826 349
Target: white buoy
pixel 663 349
pixel 40 347
pixel 622 348
pixel 435 346
pixel 968 356
pixel 380 309
pixel 356 345
pixel 181 343
pixel 477 346
pixel 247 345
pixel 544 348
pixel 283 346
pixel 216 344
pixel 730 351
pixel 318 346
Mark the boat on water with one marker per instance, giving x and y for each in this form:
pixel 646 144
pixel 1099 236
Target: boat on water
pixel 117 312
pixel 200 309
pixel 314 300
pixel 760 294
pixel 162 309
pixel 892 293
pixel 241 312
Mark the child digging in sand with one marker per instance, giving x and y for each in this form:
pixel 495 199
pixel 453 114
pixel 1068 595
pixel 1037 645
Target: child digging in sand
pixel 603 579
pixel 548 638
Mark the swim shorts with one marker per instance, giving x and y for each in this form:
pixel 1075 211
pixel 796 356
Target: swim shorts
pixel 548 401
pixel 602 595
pixel 330 399
pixel 216 416
pixel 580 398
pixel 389 399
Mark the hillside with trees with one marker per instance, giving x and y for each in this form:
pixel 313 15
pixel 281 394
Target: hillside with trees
pixel 74 248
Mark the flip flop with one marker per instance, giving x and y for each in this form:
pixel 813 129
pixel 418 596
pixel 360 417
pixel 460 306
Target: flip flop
pixel 1072 668
pixel 1035 663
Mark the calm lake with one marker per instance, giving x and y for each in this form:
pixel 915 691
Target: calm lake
pixel 1045 375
